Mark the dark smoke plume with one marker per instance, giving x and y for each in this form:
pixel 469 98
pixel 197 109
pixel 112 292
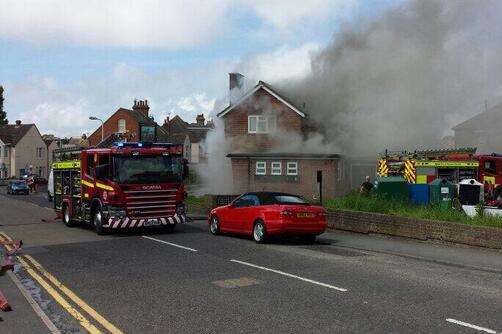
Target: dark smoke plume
pixel 402 80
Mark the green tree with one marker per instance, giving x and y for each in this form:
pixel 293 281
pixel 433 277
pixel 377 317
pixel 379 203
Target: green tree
pixel 3 114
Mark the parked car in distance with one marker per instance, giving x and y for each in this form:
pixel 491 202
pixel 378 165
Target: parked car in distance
pixel 18 187
pixel 264 214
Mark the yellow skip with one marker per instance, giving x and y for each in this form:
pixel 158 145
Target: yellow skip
pixel 58 298
pixel 105 323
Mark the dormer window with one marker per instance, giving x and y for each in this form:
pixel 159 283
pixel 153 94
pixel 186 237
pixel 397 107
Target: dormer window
pixel 261 124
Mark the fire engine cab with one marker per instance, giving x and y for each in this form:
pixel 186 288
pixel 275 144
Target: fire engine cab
pixel 128 185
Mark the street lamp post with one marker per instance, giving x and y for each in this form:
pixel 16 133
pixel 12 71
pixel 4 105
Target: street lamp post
pixel 92 118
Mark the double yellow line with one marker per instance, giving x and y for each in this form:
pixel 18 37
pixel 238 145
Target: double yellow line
pixel 45 278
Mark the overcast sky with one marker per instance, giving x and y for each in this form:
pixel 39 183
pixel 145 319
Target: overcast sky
pixel 62 61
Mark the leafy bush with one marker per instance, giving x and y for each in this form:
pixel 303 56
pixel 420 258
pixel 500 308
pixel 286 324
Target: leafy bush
pixel 391 206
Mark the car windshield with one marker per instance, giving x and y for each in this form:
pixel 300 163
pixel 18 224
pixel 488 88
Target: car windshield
pixel 18 183
pixel 147 169
pixel 289 199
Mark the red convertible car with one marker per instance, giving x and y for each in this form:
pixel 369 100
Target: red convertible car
pixel 263 214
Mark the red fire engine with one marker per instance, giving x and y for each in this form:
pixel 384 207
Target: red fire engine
pixel 452 164
pixel 126 186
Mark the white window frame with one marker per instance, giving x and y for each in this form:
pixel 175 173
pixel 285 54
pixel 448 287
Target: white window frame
pixel 276 168
pixel 119 130
pixel 270 123
pixel 292 168
pixel 261 168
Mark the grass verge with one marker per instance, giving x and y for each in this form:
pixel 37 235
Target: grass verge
pixel 374 203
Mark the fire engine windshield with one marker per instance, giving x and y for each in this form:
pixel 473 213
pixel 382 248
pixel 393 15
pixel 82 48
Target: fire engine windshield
pixel 147 169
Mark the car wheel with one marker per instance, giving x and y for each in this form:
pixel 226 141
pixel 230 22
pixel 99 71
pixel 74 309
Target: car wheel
pixel 97 220
pixel 259 232
pixel 214 225
pixel 309 239
pixel 66 216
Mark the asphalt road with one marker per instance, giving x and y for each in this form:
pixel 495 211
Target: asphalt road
pixel 191 281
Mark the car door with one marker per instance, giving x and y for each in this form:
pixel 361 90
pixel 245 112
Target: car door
pixel 241 212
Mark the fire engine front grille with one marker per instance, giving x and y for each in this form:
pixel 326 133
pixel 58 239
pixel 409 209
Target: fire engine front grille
pixel 150 203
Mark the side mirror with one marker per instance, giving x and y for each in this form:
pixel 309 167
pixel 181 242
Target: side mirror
pixel 186 170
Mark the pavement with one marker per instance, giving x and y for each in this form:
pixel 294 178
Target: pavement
pixel 192 282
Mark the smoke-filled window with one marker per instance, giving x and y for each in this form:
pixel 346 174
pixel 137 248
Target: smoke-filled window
pixel 276 168
pixel 292 168
pixel 261 124
pixel 261 168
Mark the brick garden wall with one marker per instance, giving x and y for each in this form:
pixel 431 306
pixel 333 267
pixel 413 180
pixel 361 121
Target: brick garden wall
pixel 367 222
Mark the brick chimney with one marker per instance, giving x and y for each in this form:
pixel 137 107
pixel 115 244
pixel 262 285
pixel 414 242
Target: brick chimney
pixel 235 84
pixel 201 121
pixel 141 106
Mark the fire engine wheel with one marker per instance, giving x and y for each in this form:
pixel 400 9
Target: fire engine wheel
pixel 259 232
pixel 97 220
pixel 66 216
pixel 214 226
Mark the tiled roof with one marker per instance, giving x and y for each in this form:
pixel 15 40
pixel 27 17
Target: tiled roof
pixel 12 133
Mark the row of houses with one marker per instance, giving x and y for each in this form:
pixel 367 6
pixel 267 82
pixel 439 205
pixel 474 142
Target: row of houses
pixel 23 151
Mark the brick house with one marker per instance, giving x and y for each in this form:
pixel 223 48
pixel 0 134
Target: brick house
pixel 130 124
pixel 482 131
pixel 22 150
pixel 196 132
pixel 258 124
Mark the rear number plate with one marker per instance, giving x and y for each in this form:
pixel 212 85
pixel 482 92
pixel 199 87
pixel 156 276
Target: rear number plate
pixel 305 215
pixel 152 222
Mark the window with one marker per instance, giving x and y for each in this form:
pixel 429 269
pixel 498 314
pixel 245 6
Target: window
pixel 261 124
pixel 276 168
pixel 490 166
pixel 247 200
pixel 90 165
pixel 292 168
pixel 289 199
pixel 122 125
pixel 40 151
pixel 6 152
pixel 147 133
pixel 261 168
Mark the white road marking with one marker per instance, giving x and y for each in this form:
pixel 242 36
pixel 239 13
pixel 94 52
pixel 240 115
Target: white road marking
pixel 466 324
pixel 170 244
pixel 291 275
pixel 38 310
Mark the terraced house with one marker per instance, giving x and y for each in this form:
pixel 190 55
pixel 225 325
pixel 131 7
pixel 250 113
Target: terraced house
pixel 22 150
pixel 259 123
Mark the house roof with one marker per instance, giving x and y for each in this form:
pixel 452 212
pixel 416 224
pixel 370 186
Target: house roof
pixel 268 88
pixel 195 132
pixel 483 119
pixel 12 133
pixel 299 156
